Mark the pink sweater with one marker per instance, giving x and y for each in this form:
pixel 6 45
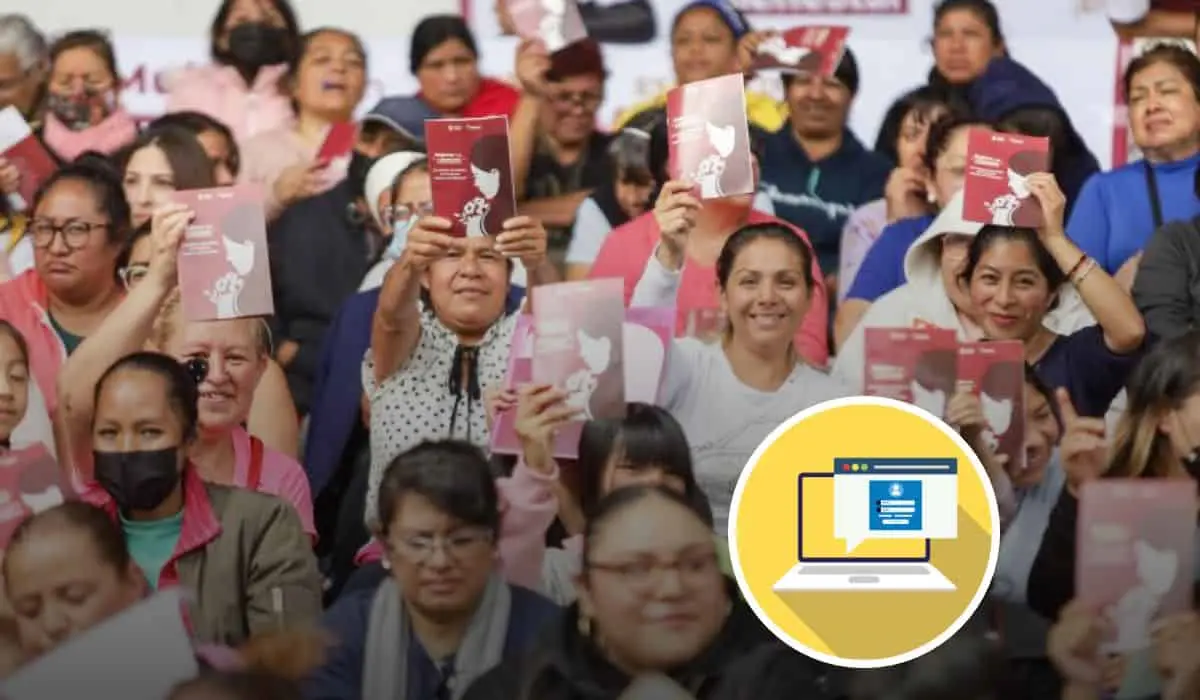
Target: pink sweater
pixel 628 248
pixel 281 476
pixel 266 156
pixel 221 93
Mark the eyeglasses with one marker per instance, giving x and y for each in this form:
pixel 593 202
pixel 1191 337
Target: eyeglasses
pixel 642 575
pixel 75 234
pixel 403 212
pixel 133 273
pixel 586 100
pixel 457 546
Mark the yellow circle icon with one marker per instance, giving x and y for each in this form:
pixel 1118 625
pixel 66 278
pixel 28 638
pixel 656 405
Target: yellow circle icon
pixel 864 532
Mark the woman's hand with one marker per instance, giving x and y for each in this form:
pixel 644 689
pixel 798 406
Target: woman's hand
pixel 1128 273
pixel 504 19
pixel 964 413
pixel 523 238
pixel 532 62
pixel 10 177
pixel 1046 191
pixel 905 194
pixel 747 49
pixel 1176 641
pixel 1084 449
pixel 298 182
pixel 497 400
pixel 168 224
pixel 541 410
pixel 1074 644
pixel 427 242
pixel 675 213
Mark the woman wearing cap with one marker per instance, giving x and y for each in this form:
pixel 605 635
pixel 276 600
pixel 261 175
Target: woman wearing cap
pixel 252 42
pixel 326 80
pixel 704 44
pixel 444 59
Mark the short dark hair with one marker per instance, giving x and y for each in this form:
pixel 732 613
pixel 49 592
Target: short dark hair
pixel 923 102
pixel 191 168
pixel 453 475
pixel 199 123
pixel 432 32
pixel 985 10
pixel 106 186
pixel 1172 54
pixel 990 234
pixel 940 132
pixel 182 392
pixel 615 503
pixel 93 40
pixel 217 28
pixel 104 533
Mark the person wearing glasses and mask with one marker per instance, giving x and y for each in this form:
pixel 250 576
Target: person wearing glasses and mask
pixel 445 616
pixel 227 359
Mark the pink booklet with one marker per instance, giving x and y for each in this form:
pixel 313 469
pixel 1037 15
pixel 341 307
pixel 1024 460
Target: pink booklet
pixel 646 335
pixel 557 23
pixel 22 148
pixel 916 365
pixel 30 482
pixel 223 267
pixel 471 173
pixel 995 372
pixel 708 137
pixel 994 188
pixel 807 50
pixel 1135 556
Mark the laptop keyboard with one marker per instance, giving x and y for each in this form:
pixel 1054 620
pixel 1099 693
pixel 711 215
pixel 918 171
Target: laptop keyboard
pixel 863 570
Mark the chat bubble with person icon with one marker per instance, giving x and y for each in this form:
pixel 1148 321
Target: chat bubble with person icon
pixel 895 499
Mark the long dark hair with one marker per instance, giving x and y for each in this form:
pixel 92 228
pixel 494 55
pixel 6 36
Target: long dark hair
pixel 191 168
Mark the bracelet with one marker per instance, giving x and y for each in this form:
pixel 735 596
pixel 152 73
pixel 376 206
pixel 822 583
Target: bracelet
pixel 1078 264
pixel 1078 279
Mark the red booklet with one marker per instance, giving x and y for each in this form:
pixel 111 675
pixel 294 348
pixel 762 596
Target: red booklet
pixel 557 23
pixel 709 140
pixel 338 143
pixel 808 50
pixel 917 365
pixel 471 173
pixel 1135 553
pixel 21 147
pixel 578 344
pixel 223 267
pixel 646 335
pixel 995 371
pixel 30 482
pixel 995 190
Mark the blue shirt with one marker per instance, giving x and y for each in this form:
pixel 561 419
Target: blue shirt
pixel 882 270
pixel 1091 373
pixel 152 542
pixel 819 196
pixel 1112 218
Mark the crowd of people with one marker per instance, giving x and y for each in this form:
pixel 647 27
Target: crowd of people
pixel 321 481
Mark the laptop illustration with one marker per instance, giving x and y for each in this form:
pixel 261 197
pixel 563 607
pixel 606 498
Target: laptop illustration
pixel 888 509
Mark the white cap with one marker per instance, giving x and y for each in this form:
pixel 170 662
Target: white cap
pixel 383 174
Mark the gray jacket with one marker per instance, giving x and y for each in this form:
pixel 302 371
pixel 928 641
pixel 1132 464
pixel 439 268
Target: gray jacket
pixel 1167 287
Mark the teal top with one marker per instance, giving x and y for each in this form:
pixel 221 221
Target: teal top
pixel 152 542
pixel 69 340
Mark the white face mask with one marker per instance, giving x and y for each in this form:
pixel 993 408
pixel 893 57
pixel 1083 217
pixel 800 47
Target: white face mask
pixel 998 413
pixel 932 400
pixel 399 239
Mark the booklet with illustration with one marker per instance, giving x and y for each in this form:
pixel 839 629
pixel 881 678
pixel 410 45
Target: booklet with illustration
pixel 803 50
pixel 708 137
pixel 916 365
pixel 224 271
pixel 22 148
pixel 995 372
pixel 1135 554
pixel 557 23
pixel 471 173
pixel 338 143
pixel 995 187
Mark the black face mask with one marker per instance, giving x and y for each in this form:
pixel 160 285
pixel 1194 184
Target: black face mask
pixel 138 480
pixel 356 173
pixel 255 45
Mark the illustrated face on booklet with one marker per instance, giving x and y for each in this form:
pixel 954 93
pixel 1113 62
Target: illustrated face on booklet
pixel 30 482
pixel 224 272
pixel 914 365
pixel 709 137
pixel 803 50
pixel 995 372
pixel 996 188
pixel 557 23
pixel 471 174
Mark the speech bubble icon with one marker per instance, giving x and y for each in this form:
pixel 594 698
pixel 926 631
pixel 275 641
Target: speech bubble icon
pixel 853 542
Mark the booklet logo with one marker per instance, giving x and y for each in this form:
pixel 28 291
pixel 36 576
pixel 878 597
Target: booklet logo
pixel 823 7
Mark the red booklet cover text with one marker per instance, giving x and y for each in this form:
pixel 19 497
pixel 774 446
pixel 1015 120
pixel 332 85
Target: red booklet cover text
pixel 338 143
pixel 709 140
pixel 557 23
pixel 578 345
pixel 1134 561
pixel 21 148
pixel 995 372
pixel 223 267
pixel 647 332
pixel 807 50
pixel 705 324
pixel 471 173
pixel 995 189
pixel 917 365
pixel 30 482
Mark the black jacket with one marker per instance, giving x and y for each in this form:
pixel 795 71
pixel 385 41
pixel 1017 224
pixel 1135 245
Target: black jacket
pixel 319 257
pixel 1167 287
pixel 745 661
